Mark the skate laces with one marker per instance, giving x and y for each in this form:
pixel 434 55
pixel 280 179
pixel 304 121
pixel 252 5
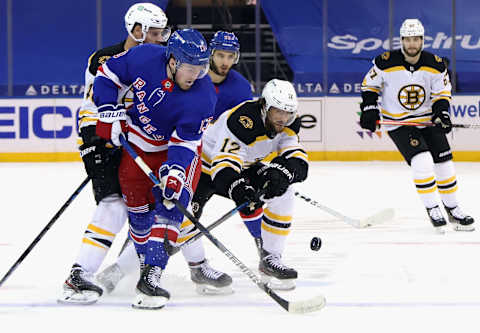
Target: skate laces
pixel 210 272
pixel 153 276
pixel 435 213
pixel 274 260
pixel 78 273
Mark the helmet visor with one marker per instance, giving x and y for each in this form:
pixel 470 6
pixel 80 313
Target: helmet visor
pixel 193 71
pixel 158 35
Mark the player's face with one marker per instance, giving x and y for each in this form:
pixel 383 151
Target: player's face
pixel 223 61
pixel 157 36
pixel 277 119
pixel 186 74
pixel 412 45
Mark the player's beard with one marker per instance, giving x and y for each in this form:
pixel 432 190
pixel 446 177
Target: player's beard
pixel 215 69
pixel 414 53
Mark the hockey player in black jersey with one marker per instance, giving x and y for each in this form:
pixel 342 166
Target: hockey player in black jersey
pixel 145 23
pixel 232 149
pixel 414 85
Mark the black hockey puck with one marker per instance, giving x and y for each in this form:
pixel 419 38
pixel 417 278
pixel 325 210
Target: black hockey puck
pixel 316 243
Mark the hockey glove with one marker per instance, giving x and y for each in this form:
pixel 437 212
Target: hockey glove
pixel 93 152
pixel 275 178
pixel 442 120
pixel 240 191
pixel 369 116
pixel 112 123
pixel 172 179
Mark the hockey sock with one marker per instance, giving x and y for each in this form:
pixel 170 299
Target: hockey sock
pixel 140 229
pixel 253 222
pixel 424 178
pixel 275 229
pixel 156 254
pixel 108 219
pixel 447 183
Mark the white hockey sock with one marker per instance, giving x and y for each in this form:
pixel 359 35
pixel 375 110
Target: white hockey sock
pixel 108 219
pixel 424 179
pixel 447 183
pixel 194 252
pixel 128 261
pixel 275 229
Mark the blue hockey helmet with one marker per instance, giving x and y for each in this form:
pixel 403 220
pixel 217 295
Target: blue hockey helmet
pixel 188 46
pixel 226 41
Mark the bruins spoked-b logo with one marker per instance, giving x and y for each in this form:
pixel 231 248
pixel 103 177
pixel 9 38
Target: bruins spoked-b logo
pixel 411 97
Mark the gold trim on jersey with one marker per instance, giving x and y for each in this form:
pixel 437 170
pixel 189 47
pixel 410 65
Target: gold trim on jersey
pixel 429 69
pixel 222 165
pixel 444 92
pixel 289 131
pixel 395 69
pixel 258 139
pixel 443 97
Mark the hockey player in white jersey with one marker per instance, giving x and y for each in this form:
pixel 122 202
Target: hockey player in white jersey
pixel 232 149
pixel 414 85
pixel 146 24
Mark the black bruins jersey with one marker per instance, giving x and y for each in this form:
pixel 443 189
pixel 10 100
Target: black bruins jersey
pixel 408 91
pixel 88 111
pixel 239 139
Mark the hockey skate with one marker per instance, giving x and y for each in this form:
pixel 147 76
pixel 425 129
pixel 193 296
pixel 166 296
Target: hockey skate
pixel 437 219
pixel 79 289
pixel 209 281
pixel 150 295
pixel 459 220
pixel 109 277
pixel 275 274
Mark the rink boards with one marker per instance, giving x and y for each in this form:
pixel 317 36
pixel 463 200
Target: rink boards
pixel 44 129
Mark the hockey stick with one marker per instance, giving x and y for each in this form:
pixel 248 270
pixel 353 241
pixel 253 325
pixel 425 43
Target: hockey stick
pixel 45 229
pixel 311 305
pixel 412 123
pixel 380 217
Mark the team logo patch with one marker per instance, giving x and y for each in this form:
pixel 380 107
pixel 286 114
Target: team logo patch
pixel 411 97
pixel 414 142
pixel 103 59
pixel 438 59
pixel 195 207
pixel 156 96
pixel 246 122
pixel 385 55
pixel 167 85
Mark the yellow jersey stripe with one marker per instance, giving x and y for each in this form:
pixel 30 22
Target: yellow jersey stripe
pixel 99 230
pixel 90 242
pixel 283 232
pixel 273 216
pixel 446 181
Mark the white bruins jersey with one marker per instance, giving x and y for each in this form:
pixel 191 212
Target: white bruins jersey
pixel 408 91
pixel 88 111
pixel 238 139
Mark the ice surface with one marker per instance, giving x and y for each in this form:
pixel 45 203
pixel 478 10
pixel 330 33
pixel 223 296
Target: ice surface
pixel 396 277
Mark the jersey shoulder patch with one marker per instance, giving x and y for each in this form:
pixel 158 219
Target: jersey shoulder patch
pixel 101 56
pixel 389 59
pixel 433 61
pixel 246 123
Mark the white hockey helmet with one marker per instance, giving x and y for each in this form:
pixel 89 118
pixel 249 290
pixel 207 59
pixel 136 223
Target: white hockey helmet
pixel 412 27
pixel 281 95
pixel 148 16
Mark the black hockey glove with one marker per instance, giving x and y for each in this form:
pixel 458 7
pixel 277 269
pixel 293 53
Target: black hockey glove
pixel 369 116
pixel 240 191
pixel 442 120
pixel 93 152
pixel 275 178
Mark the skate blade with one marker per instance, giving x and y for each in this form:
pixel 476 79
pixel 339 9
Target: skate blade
pixel 70 297
pixel 459 227
pixel 440 230
pixel 277 284
pixel 208 290
pixel 145 302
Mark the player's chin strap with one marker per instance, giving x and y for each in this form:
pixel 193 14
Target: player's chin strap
pixel 311 305
pixel 380 217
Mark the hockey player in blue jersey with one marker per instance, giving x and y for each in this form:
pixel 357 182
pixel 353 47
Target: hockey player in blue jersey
pixel 174 102
pixel 232 89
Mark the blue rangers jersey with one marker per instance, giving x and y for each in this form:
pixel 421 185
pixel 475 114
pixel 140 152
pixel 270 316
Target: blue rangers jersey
pixel 232 91
pixel 162 116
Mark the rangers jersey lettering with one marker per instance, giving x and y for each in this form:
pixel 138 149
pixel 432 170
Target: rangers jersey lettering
pixel 408 91
pixel 163 116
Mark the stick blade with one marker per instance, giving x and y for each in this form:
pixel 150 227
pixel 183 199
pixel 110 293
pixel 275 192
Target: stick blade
pixel 378 218
pixel 315 304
